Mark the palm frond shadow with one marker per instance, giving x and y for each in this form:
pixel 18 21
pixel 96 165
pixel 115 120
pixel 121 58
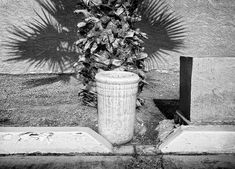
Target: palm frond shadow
pixel 165 30
pixel 47 40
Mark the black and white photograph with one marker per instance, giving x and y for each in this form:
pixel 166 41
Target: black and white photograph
pixel 117 84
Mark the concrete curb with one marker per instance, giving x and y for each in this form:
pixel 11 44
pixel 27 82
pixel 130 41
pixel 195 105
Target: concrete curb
pixel 14 140
pixel 85 141
pixel 29 147
pixel 200 139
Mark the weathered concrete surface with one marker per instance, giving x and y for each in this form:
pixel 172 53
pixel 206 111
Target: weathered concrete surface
pixel 209 24
pixel 88 162
pixel 65 162
pixel 207 91
pixel 14 140
pixel 200 139
pixel 119 162
pixel 198 162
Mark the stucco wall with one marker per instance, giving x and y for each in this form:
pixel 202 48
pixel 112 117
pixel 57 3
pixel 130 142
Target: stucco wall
pixel 210 26
pixel 15 13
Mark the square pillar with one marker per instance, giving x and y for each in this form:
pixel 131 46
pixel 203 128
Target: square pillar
pixel 207 89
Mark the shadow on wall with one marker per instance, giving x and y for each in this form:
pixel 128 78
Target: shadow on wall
pixel 50 39
pixel 165 30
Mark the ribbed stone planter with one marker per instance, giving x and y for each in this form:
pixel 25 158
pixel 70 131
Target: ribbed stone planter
pixel 116 105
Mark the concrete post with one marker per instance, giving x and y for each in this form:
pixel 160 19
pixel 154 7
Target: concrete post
pixel 207 89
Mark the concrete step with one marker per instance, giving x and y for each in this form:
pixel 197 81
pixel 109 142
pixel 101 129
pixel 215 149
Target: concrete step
pixel 200 139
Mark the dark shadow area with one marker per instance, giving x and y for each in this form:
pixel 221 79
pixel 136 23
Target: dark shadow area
pixel 5 120
pixel 49 40
pixel 186 65
pixel 167 107
pixel 65 78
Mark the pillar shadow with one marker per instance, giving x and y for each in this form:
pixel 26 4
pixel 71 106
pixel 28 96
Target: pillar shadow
pixel 167 107
pixel 166 31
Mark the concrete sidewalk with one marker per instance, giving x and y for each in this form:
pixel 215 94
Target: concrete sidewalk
pixel 119 162
pixel 78 147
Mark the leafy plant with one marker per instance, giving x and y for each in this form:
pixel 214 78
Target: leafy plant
pixel 49 38
pixel 108 40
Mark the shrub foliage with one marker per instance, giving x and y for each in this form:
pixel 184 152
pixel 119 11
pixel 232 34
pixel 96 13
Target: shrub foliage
pixel 108 40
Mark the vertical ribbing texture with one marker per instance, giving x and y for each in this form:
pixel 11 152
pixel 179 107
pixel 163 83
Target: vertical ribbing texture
pixel 116 108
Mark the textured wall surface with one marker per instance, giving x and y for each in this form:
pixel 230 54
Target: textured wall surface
pixel 15 13
pixel 210 30
pixel 211 26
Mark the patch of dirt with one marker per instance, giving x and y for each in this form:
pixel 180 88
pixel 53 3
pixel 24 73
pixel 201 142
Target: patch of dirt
pixel 52 100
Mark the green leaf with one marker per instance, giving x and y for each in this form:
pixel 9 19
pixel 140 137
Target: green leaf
pixel 95 2
pixel 104 37
pixel 86 2
pixel 82 58
pixel 138 39
pixel 116 43
pixel 117 62
pixel 78 67
pixel 98 40
pixel 119 11
pixel 136 43
pixel 81 24
pixel 130 34
pixel 109 47
pixel 87 45
pixel 83 40
pixel 102 58
pixel 144 35
pixel 94 47
pixel 105 19
pixel 142 55
pixel 120 68
pixel 125 27
pixel 111 38
pixel 83 11
pixel 93 19
pixel 131 59
pixel 91 34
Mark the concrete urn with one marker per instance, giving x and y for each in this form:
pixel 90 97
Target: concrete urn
pixel 117 91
